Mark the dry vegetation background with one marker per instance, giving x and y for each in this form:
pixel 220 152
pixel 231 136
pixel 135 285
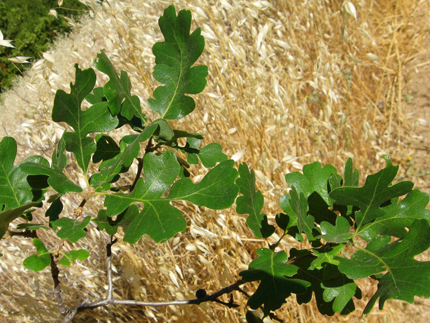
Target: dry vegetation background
pixel 290 82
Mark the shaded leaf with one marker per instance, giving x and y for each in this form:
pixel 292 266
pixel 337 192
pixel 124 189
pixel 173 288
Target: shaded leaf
pixel 273 272
pixel 123 219
pixel 130 149
pixel 107 148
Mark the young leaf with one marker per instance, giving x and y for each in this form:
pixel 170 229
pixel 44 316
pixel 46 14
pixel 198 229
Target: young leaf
pixel 251 203
pixel 339 233
pixel 118 90
pixel 272 270
pixel 15 192
pixel 325 255
pixel 39 261
pixel 71 229
pixel 159 219
pixel 67 108
pixel 74 255
pixel 405 277
pixel 376 190
pixel 174 58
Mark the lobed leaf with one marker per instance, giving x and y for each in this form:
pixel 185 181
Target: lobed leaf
pixel 251 202
pixel 71 229
pixel 159 219
pixel 398 216
pixel 174 58
pixel 273 272
pixel 405 277
pixel 72 256
pixel 376 191
pixel 67 108
pixel 118 90
pixel 16 195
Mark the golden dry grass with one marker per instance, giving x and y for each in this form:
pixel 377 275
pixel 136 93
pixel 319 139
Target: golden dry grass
pixel 290 82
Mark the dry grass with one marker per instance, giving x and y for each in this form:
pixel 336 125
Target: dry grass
pixel 290 82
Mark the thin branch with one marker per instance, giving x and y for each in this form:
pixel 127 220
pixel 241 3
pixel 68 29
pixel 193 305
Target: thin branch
pixel 197 301
pixel 64 309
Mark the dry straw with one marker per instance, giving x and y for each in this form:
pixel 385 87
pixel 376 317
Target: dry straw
pixel 290 82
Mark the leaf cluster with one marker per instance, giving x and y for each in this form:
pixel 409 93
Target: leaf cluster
pixel 351 232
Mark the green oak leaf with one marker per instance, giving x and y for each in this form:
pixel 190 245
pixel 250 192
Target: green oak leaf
pixel 211 154
pixel 67 108
pixel 405 277
pixel 313 179
pixel 273 272
pixel 159 219
pixel 328 277
pixel 338 233
pixel 325 255
pixel 174 58
pixel 340 295
pixel 251 202
pixel 398 216
pixel 72 256
pixel 107 148
pixel 118 90
pixel 96 97
pixel 376 191
pixel 299 205
pixel 319 209
pixel 351 175
pixel 59 159
pixel 16 195
pixel 71 229
pixel 130 149
pixel 54 210
pixel 56 178
pixel 39 261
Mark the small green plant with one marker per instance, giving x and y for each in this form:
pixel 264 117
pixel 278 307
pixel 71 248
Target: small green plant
pixel 353 232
